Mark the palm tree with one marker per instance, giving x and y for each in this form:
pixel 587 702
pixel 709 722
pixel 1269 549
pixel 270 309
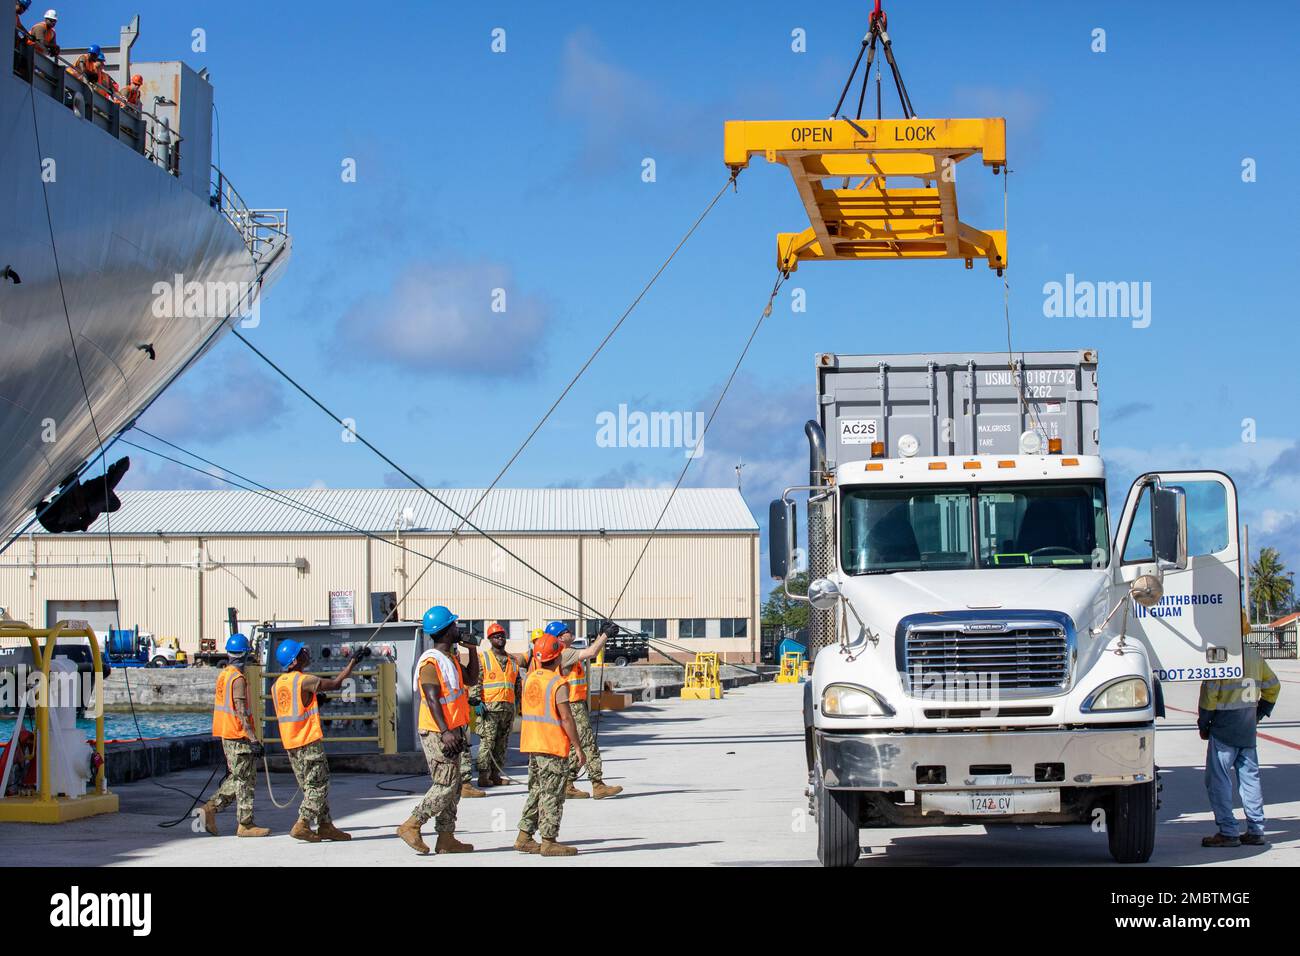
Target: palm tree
pixel 1269 585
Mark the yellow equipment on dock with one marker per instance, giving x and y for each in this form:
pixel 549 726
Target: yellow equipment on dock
pixel 792 667
pixel 45 806
pixel 703 678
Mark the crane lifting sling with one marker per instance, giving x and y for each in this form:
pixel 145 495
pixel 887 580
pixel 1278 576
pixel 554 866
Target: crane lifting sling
pixel 848 173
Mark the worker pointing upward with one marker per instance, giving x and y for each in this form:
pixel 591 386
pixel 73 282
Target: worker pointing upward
pixel 297 713
pixel 232 723
pixel 572 666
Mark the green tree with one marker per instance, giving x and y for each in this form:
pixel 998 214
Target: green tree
pixel 780 611
pixel 1270 588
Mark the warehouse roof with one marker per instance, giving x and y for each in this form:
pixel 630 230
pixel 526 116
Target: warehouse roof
pixel 377 510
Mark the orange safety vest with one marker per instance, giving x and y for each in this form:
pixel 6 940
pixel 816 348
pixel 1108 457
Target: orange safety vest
pixel 541 731
pixel 455 705
pixel 498 683
pixel 225 722
pixel 299 725
pixel 577 678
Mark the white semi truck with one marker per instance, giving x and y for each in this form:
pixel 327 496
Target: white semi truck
pixel 985 650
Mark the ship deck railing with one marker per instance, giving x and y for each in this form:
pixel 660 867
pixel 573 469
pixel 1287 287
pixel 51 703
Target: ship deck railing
pixel 264 230
pixel 139 129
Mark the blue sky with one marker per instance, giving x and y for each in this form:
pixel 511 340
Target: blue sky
pixel 522 170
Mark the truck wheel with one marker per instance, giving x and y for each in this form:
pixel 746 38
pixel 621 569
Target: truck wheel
pixel 620 661
pixel 1131 829
pixel 158 662
pixel 837 827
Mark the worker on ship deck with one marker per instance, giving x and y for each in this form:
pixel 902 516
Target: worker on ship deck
pixel 21 7
pixel 43 34
pixel 134 90
pixel 90 65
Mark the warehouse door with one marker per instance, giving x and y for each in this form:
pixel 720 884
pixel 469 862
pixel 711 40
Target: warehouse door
pixel 100 615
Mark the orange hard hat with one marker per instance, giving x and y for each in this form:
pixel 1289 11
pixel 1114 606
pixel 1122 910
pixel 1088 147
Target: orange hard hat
pixel 494 629
pixel 548 648
pixel 137 79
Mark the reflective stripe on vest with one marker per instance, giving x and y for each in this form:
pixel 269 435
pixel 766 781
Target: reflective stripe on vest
pixel 498 683
pixel 577 677
pixel 454 704
pixel 299 725
pixel 225 721
pixel 541 731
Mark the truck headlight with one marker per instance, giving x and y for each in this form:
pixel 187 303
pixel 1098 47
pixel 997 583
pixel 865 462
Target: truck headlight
pixel 1127 693
pixel 850 700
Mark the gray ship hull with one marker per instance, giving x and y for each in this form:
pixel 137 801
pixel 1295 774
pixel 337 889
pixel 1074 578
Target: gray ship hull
pixel 121 225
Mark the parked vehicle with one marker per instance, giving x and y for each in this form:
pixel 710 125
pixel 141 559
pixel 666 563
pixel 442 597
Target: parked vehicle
pixel 132 647
pixel 984 649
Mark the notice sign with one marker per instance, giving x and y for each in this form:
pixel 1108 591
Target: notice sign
pixel 343 608
pixel 858 431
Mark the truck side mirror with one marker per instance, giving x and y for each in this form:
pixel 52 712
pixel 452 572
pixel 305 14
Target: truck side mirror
pixel 782 523
pixel 1169 527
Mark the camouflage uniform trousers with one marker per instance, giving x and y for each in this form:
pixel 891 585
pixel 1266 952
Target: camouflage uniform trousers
pixel 494 736
pixel 240 783
pixel 311 768
pixel 587 741
pixel 440 803
pixel 547 778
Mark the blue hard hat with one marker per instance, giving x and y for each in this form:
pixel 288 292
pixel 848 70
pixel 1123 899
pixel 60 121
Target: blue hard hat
pixel 287 652
pixel 437 618
pixel 238 644
pixel 556 628
pixel 95 52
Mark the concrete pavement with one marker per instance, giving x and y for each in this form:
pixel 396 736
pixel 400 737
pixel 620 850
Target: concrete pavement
pixel 708 783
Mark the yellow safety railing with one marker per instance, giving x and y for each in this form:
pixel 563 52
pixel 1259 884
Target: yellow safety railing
pixel 45 806
pixel 384 715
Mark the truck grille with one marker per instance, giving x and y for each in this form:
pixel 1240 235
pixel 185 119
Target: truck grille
pixel 973 658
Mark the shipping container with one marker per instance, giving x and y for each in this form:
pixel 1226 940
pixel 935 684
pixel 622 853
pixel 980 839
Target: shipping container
pixel 958 403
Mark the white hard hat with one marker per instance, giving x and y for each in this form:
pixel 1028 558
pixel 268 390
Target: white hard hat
pixel 51 14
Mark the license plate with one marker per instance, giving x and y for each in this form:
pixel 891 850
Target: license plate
pixel 990 803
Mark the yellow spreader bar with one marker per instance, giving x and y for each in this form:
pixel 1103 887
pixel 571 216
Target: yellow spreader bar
pixel 847 175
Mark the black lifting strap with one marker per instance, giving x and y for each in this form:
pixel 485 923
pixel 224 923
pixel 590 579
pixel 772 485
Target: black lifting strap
pixel 876 33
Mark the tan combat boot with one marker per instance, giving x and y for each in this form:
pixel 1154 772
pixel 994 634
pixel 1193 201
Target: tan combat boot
pixel 410 834
pixel 525 843
pixel 496 779
pixel 468 789
pixel 573 793
pixel 301 831
pixel 485 780
pixel 447 843
pixel 551 848
pixel 252 830
pixel 328 831
pixel 600 790
pixel 210 818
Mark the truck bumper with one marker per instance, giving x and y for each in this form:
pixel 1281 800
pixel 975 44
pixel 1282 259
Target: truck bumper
pixel 974 759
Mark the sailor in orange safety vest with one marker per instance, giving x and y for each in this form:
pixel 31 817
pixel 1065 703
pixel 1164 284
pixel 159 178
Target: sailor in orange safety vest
pixel 546 735
pixel 498 692
pixel 442 689
pixel 297 713
pixel 233 725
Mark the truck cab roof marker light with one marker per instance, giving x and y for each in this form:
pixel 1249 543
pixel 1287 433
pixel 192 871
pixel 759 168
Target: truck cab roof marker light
pixel 1006 464
pixel 972 465
pixel 1065 462
pixel 938 466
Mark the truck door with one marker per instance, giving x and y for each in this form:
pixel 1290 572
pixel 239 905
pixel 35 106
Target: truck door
pixel 1194 631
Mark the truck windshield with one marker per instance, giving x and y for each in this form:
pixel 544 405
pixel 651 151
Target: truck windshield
pixel 930 528
pixel 1057 525
pixel 906 529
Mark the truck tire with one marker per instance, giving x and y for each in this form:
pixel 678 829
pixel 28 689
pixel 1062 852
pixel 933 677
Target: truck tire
pixel 837 827
pixel 1131 830
pixel 161 662
pixel 620 661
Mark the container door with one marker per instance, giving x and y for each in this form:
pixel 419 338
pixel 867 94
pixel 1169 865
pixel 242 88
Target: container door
pixel 1194 632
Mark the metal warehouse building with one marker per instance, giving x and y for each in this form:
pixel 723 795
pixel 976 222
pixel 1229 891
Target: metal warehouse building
pixel 181 558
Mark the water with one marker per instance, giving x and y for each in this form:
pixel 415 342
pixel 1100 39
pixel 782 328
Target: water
pixel 122 726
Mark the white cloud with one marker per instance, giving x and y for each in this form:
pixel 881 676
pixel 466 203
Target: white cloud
pixel 219 396
pixel 442 318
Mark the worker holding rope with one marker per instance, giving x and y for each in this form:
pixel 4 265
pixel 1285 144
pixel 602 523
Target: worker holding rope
pixel 499 689
pixel 547 736
pixel 297 713
pixel 442 686
pixel 232 722
pixel 572 667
